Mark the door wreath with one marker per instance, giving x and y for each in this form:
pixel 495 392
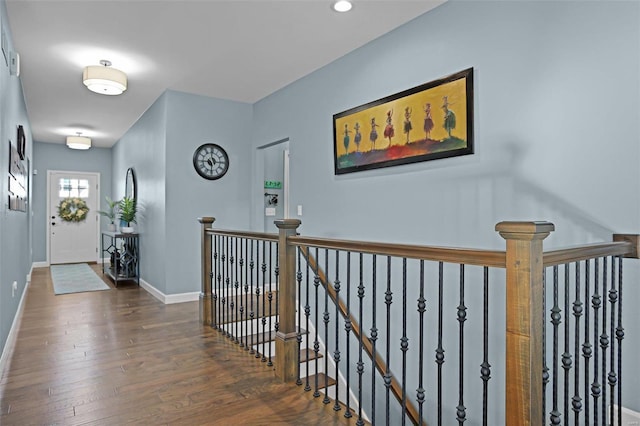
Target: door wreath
pixel 73 210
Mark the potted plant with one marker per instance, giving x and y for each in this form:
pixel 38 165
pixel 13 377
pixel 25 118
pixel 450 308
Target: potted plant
pixel 128 210
pixel 110 213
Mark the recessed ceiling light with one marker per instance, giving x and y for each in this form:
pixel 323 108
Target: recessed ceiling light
pixel 342 6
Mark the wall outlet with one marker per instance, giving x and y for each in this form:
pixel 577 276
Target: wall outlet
pixel 14 288
pixel 629 417
pixel 299 209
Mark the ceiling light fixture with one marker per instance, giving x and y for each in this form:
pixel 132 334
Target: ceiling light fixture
pixel 78 142
pixel 103 79
pixel 342 6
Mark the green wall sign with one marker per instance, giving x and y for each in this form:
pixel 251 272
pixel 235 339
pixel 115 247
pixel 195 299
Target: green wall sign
pixel 272 184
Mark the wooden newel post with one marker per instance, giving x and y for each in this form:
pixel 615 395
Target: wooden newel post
pixel 286 338
pixel 205 290
pixel 525 321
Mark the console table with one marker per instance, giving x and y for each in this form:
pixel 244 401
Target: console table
pixel 123 251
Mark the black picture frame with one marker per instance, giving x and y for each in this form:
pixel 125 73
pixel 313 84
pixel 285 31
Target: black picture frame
pixel 21 143
pixel 408 129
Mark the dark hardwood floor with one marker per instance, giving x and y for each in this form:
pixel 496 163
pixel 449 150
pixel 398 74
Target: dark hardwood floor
pixel 121 357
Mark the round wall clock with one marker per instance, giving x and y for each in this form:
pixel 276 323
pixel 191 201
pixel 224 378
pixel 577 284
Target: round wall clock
pixel 211 161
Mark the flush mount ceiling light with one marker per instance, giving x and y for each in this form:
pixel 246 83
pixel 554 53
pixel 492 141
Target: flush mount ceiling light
pixel 78 142
pixel 342 6
pixel 104 80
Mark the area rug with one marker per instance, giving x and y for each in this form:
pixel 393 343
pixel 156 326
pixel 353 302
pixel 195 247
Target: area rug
pixel 75 278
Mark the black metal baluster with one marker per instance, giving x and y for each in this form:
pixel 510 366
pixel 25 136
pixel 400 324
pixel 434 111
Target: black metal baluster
pixel 360 367
pixel 276 273
pixel 556 319
pixel 404 340
pixel 545 368
pixel 595 303
pixel 336 353
pixel 566 356
pixel 461 411
pixel 373 339
pixel 270 298
pixel 225 274
pixel 242 270
pixel 316 342
pixel 421 310
pixel 228 289
pixel 264 303
pixel 325 319
pixel 604 341
pixel 485 367
pixel 247 279
pixel 612 379
pixel 576 401
pixel 215 272
pixel 234 299
pixel 299 333
pixel 307 314
pixel 252 313
pixel 619 337
pixel 586 346
pixel 347 330
pixel 388 299
pixel 257 295
pixel 440 349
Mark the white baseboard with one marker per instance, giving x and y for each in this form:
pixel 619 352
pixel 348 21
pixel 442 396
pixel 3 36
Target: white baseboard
pixel 44 264
pixel 13 332
pixel 169 299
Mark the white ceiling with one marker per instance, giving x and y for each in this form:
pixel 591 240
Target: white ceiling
pixel 240 50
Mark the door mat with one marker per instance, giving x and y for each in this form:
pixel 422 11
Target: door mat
pixel 75 278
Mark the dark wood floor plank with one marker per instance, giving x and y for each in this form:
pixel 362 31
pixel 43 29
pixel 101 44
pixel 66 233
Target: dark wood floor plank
pixel 121 357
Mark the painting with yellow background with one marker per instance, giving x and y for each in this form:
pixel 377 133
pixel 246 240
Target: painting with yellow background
pixel 433 115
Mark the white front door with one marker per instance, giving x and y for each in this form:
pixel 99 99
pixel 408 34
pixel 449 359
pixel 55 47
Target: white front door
pixel 69 241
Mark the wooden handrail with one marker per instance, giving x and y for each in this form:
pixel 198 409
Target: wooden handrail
pixel 380 365
pixel 587 251
pixel 491 258
pixel 244 234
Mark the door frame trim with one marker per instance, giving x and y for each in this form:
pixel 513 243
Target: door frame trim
pixel 48 219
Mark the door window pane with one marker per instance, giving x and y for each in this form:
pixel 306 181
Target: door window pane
pixel 73 188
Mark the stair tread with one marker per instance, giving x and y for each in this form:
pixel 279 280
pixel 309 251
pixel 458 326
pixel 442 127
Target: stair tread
pixel 260 337
pixel 323 380
pixel 308 354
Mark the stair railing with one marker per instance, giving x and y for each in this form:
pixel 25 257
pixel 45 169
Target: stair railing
pixel 533 335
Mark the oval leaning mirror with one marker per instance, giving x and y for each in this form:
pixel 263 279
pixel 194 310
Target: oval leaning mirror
pixel 130 184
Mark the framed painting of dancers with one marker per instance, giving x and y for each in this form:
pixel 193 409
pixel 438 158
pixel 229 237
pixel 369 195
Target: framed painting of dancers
pixel 428 122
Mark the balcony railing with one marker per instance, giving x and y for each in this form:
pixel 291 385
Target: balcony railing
pixel 396 333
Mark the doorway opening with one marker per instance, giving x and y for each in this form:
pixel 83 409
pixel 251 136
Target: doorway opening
pixel 273 161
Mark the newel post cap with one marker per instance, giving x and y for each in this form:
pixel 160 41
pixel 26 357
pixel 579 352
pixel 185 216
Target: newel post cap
pixel 206 219
pixel 525 230
pixel 287 223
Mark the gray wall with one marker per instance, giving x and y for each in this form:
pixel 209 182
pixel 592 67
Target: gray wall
pixel 53 156
pixel 191 121
pixel 143 147
pixel 15 227
pixel 171 195
pixel 556 133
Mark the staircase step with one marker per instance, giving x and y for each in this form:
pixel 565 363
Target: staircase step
pixel 322 380
pixel 309 355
